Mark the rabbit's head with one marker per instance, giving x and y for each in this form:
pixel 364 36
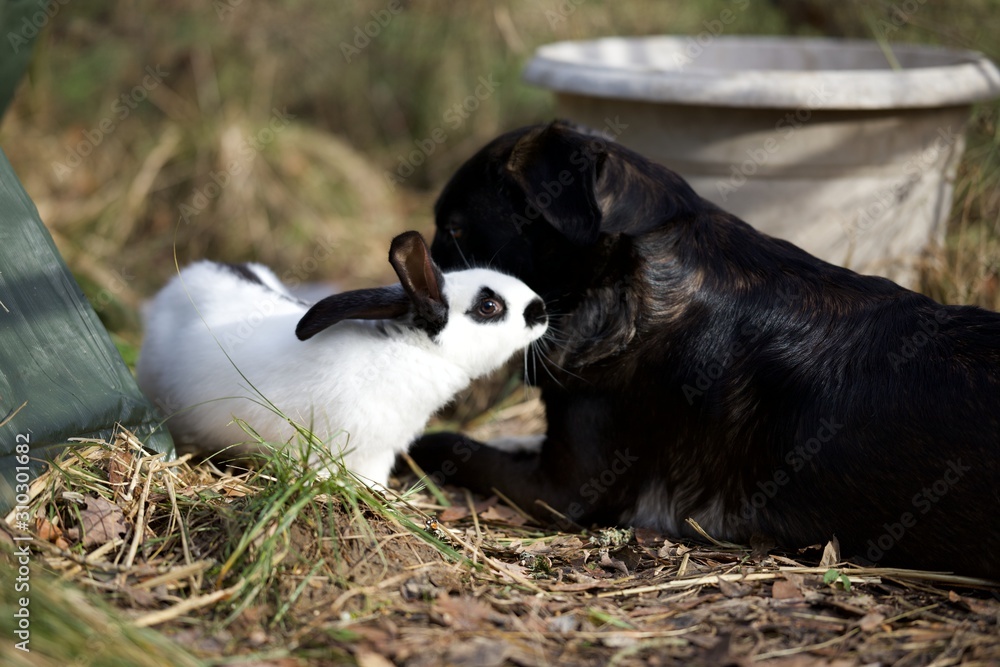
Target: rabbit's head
pixel 477 317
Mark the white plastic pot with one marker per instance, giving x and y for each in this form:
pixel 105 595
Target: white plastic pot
pixel 817 141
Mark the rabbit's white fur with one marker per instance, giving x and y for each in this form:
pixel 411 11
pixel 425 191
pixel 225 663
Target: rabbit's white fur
pixel 219 345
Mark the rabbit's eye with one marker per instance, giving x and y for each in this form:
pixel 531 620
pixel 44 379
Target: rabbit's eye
pixel 490 308
pixel 455 233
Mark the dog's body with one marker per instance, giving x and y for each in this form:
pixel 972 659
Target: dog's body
pixel 701 369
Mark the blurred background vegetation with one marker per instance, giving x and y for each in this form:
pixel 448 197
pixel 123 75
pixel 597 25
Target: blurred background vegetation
pixel 331 111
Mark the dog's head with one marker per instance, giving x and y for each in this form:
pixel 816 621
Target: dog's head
pixel 547 203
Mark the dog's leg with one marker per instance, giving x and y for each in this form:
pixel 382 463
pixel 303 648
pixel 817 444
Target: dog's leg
pixel 537 482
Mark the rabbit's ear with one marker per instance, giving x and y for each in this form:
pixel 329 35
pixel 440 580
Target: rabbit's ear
pixel 422 280
pixel 378 303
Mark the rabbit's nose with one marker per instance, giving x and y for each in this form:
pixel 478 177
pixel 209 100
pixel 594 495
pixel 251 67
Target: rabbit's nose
pixel 534 313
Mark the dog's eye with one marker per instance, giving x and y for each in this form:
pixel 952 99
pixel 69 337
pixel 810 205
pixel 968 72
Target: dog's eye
pixel 490 307
pixel 454 227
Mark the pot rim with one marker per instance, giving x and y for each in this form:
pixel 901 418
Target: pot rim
pixel 661 69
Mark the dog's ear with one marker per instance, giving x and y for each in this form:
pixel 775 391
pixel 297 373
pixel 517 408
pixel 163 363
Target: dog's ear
pixel 558 170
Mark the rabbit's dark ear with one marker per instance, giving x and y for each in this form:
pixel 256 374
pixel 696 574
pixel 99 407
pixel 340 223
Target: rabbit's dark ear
pixel 422 280
pixel 558 170
pixel 379 303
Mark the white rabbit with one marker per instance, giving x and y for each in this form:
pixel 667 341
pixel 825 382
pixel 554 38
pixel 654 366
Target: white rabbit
pixel 363 370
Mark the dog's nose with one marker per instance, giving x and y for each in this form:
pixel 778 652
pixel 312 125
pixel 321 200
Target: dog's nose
pixel 534 313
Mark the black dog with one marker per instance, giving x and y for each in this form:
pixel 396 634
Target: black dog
pixel 698 368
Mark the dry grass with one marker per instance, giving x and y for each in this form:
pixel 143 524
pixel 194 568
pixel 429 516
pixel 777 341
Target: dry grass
pixel 271 567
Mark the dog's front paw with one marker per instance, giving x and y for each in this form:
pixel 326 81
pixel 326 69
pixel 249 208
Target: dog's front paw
pixel 441 455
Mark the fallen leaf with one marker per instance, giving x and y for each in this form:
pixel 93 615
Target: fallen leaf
pixel 140 598
pixel 501 514
pixel 871 621
pixel 786 590
pixel 372 634
pixel 972 604
pixel 121 465
pixel 565 623
pixel 368 658
pixel 613 563
pixel 631 557
pixel 582 582
pixel 733 589
pixel 48 531
pixel 477 652
pixel 831 553
pixel 101 521
pixel 456 512
pixel 538 548
pixel 453 513
pixel 647 537
pixel 570 542
pixel 671 550
pixel 462 612
pixel 503 570
pixel 257 637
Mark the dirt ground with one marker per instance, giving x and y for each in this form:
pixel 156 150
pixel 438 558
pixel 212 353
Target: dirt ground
pixel 255 569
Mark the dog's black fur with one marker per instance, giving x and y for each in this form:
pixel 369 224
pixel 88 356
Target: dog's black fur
pixel 698 368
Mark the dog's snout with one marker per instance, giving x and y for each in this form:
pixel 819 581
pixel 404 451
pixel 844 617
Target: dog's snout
pixel 534 313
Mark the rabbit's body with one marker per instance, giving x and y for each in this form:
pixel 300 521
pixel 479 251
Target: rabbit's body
pixel 221 343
